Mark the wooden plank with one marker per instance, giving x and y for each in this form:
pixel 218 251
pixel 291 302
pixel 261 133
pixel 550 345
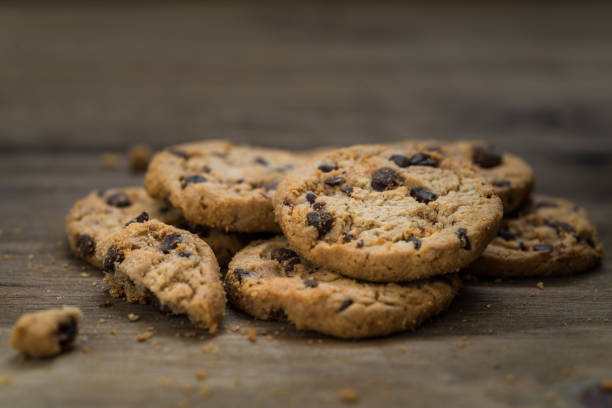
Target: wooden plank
pixel 79 81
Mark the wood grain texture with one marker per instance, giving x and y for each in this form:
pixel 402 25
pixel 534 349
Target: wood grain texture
pixel 78 81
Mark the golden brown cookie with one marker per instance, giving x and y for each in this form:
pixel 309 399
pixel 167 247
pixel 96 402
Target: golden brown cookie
pixel 47 332
pixel 172 269
pixel 268 280
pixel 100 213
pixel 548 237
pixel 388 213
pixel 219 184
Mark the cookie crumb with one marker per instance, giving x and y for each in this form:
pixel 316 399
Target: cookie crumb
pixel 59 243
pixel 144 336
pixel 510 379
pixel 86 350
pixel 6 380
pixel 252 336
pixel 235 327
pixel 403 349
pixel 110 161
pixel 113 331
pixel 6 257
pixel 139 155
pixel 606 384
pixel 101 321
pixel 165 382
pixel 566 372
pixel 210 348
pixel 133 317
pixel 187 388
pixel 85 274
pixel 201 374
pixel 540 285
pixel 348 395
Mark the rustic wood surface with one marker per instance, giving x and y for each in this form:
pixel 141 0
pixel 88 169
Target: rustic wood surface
pixel 78 81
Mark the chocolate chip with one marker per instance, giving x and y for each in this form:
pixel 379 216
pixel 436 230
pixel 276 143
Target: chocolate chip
pixel 119 200
pixel 170 242
pixel 86 245
pixel 359 244
pixel 193 180
pixel 560 226
pixel 422 159
pixel 140 219
pixel 311 197
pixel 66 332
pixel 590 242
pixel 348 237
pixel 400 160
pixel 184 254
pixel 503 184
pixel 261 160
pixel 385 178
pixel 326 168
pixel 282 254
pixel 179 153
pixel 292 262
pixel 346 189
pixel 463 239
pixel 506 234
pixel 345 305
pixel 113 255
pixel 286 203
pixel 522 246
pixel 206 169
pixel 334 181
pixel 542 247
pixel 486 157
pixel 310 283
pixel 415 241
pixel 319 205
pixel 267 197
pixel 321 220
pixel 240 181
pixel 241 273
pixel 422 195
pixel 433 149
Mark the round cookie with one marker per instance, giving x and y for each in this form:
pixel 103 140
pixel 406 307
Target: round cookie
pixel 222 185
pixel 512 178
pixel 388 213
pixel 269 281
pixel 549 237
pixel 173 269
pixel 91 219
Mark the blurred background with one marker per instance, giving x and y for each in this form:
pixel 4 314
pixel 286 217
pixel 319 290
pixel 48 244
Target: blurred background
pixel 534 78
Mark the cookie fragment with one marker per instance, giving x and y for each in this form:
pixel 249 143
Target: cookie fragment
pixel 314 298
pixel 548 237
pixel 146 263
pixel 46 333
pixel 399 221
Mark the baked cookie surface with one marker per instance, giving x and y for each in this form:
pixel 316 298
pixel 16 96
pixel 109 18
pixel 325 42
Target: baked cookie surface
pixel 268 280
pixel 47 332
pixel 219 184
pixel 511 177
pixel 548 237
pixel 100 213
pixel 388 213
pixel 173 269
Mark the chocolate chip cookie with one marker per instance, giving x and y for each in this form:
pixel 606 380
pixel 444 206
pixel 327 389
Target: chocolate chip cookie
pixel 219 184
pixel 268 280
pixel 91 219
pixel 46 333
pixel 548 237
pixel 172 269
pixel 388 213
pixel 512 178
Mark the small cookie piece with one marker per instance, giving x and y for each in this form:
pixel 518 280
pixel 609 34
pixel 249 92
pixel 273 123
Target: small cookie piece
pixel 139 155
pixel 512 178
pixel 46 333
pixel 172 269
pixel 548 237
pixel 268 280
pixel 388 213
pixel 100 213
pixel 216 183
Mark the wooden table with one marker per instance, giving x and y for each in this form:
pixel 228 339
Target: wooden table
pixel 78 81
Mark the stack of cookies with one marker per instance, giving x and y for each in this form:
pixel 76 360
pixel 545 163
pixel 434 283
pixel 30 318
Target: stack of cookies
pixel 354 242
